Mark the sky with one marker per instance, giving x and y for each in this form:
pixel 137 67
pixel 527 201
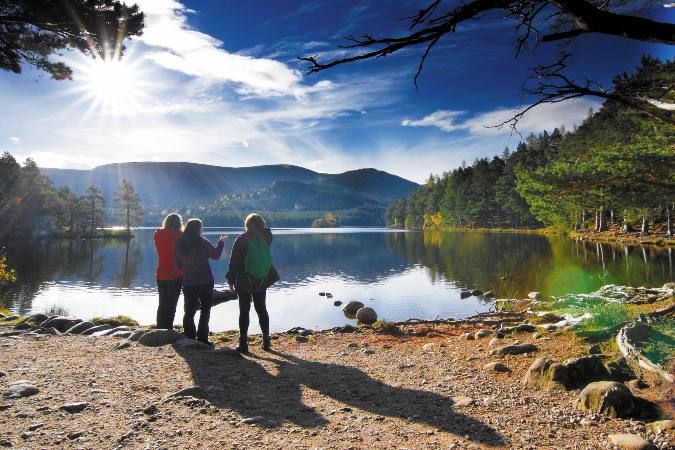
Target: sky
pixel 219 82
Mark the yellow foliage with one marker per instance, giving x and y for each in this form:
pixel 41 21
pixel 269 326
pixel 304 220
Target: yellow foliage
pixel 7 275
pixel 433 220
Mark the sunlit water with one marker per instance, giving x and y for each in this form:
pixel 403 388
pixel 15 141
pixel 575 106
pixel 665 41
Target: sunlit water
pixel 401 274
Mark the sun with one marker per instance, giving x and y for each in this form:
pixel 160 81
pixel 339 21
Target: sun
pixel 111 86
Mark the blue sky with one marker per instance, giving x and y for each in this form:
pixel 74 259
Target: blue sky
pixel 218 82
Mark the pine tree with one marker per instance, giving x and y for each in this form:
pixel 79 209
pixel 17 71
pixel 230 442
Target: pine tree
pixel 129 205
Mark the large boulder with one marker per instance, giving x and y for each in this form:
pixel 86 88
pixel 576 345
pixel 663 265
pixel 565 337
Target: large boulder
pixel 610 398
pixel 136 335
pixel 35 319
pixel 366 315
pixel 158 338
pixel 514 349
pixel 61 323
pixel 80 328
pixel 571 374
pixel 351 308
pixel 483 333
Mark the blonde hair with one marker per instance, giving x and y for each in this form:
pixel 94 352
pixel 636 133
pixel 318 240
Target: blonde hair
pixel 255 222
pixel 173 222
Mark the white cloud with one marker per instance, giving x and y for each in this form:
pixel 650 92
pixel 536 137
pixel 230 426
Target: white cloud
pixel 540 118
pixel 14 140
pixel 175 45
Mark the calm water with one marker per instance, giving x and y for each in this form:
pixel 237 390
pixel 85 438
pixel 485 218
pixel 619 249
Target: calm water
pixel 401 274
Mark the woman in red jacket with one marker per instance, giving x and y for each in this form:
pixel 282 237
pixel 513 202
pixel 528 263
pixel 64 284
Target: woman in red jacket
pixel 169 277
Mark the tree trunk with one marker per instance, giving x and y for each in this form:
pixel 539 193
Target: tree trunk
pixel 583 219
pixel 611 216
pixel 597 221
pixel 601 220
pixel 645 226
pixel 669 223
pixel 128 220
pixel 93 208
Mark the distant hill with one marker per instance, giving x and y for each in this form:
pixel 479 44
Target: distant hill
pixel 213 190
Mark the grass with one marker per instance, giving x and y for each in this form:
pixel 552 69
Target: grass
pixel 56 310
pixel 115 321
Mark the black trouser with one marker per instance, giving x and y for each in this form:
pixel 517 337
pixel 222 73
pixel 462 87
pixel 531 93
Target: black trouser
pixel 258 299
pixel 197 297
pixel 169 291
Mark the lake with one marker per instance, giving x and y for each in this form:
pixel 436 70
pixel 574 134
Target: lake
pixel 402 274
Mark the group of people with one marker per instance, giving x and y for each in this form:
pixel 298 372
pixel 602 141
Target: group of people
pixel 183 255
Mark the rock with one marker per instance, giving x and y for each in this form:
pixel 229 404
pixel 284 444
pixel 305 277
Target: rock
pixel 96 329
pixel 75 435
pixel 122 345
pixel 345 329
pixel 573 373
pixel 192 391
pixel 6 443
pixel 630 442
pixel 619 369
pixel 351 308
pixel 136 335
pixel 515 349
pixel 35 425
pixel 536 335
pixel 463 401
pixel 495 367
pixel 586 422
pixel 158 338
pixel 483 333
pixel 23 326
pixel 3 374
pixel 80 328
pixel 51 331
pixel 477 292
pixel 428 346
pixel 190 344
pixel 637 384
pixel 61 323
pixel 610 398
pixel 111 331
pixel 150 410
pixel 468 336
pixel 121 334
pixel 534 295
pixel 300 338
pixel 494 341
pixel 260 420
pixel 661 426
pixel 549 317
pixel 368 351
pixel 465 294
pixel 75 407
pixel 352 345
pixel 10 318
pixel 366 315
pixel 36 318
pixel 322 294
pixel 489 294
pixel 19 389
pixel 337 303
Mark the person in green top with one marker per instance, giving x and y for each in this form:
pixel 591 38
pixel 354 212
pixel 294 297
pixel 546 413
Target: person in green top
pixel 250 274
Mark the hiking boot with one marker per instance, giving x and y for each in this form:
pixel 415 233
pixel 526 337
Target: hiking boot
pixel 266 344
pixel 207 342
pixel 242 348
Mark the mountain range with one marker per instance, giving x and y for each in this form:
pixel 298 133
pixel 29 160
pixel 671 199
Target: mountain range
pixel 220 192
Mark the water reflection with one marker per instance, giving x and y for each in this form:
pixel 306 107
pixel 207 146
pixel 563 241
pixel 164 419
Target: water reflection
pixel 401 274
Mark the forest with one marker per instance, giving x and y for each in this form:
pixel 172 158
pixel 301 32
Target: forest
pixel 617 167
pixel 30 206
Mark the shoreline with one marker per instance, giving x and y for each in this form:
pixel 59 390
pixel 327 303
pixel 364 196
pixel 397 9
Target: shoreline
pixel 418 385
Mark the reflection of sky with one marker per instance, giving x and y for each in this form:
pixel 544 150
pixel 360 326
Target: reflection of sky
pixel 407 294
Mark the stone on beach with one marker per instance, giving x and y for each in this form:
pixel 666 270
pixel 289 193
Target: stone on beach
pixel 630 442
pixel 80 328
pixel 514 349
pixel 609 398
pixel 19 389
pixel 366 315
pixel 192 391
pixel 351 308
pixel 136 335
pixel 482 333
pixel 96 329
pixel 463 401
pixel 574 372
pixel 190 344
pixel 661 426
pixel 465 294
pixel 495 367
pixel 158 338
pixel 74 407
pixel 61 323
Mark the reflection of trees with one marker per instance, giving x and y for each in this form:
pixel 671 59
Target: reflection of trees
pixel 128 262
pixel 514 264
pixel 364 257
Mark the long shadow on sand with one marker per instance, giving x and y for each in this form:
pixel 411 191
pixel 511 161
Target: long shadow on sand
pixel 245 386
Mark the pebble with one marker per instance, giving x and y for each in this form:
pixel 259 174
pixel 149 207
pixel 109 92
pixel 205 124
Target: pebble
pixel 19 389
pixel 630 442
pixel 495 367
pixel 74 407
pixel 368 351
pixel 483 333
pixel 463 401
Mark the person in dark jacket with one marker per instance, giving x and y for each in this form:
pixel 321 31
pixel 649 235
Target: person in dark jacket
pixel 169 277
pixel 255 227
pixel 192 253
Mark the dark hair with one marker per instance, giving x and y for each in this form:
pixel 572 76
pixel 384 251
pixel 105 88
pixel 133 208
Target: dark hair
pixel 254 222
pixel 191 236
pixel 172 222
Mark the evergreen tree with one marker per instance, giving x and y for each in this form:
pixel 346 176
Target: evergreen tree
pixel 129 205
pixel 95 203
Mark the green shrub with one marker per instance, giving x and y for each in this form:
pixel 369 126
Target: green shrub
pixel 116 321
pixel 384 326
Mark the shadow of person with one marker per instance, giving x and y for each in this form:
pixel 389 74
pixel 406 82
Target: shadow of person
pixel 244 385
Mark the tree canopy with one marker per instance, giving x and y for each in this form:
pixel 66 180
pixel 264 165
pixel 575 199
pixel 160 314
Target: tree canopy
pixel 32 31
pixel 535 22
